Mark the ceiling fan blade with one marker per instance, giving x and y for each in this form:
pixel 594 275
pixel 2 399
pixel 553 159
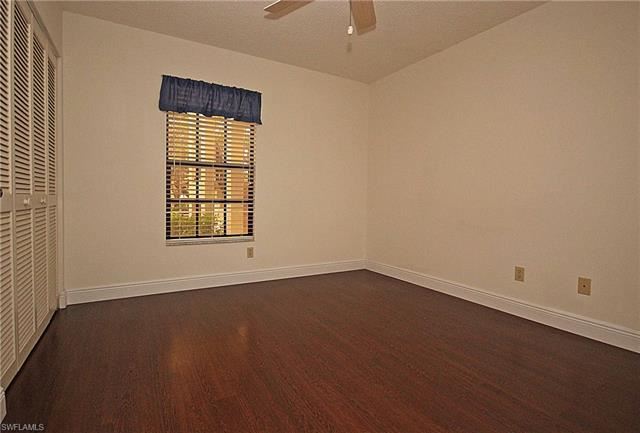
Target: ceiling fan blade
pixel 364 15
pixel 283 7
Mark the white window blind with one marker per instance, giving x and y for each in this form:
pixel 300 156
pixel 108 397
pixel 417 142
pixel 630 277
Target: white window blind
pixel 210 174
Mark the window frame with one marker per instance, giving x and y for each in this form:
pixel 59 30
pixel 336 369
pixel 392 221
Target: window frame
pixel 170 163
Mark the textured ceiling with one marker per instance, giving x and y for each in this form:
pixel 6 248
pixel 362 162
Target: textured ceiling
pixel 314 36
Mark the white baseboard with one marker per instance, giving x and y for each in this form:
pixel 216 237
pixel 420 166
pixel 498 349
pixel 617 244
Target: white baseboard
pixel 62 300
pixel 602 331
pixel 597 330
pixel 3 405
pixel 105 293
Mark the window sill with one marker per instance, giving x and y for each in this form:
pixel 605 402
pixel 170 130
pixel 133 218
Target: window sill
pixel 200 241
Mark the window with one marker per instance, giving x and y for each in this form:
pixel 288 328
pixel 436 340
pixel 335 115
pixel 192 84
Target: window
pixel 210 179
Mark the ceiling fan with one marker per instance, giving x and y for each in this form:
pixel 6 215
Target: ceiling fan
pixel 362 11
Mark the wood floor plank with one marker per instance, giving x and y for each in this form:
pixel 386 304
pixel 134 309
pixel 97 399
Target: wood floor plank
pixel 347 352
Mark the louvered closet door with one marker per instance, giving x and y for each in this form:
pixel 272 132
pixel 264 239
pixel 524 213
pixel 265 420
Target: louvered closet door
pixel 52 209
pixel 7 301
pixel 39 170
pixel 28 220
pixel 23 178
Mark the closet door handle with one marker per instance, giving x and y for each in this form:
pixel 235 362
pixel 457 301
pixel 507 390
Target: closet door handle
pixel 26 201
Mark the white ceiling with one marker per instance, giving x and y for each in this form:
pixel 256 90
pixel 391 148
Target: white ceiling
pixel 314 36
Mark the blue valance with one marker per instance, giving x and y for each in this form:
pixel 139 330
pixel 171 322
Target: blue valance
pixel 183 95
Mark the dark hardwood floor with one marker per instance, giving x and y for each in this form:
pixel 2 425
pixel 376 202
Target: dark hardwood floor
pixel 350 352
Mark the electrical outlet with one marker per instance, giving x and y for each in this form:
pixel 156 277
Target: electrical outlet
pixel 584 286
pixel 519 274
pixel 249 252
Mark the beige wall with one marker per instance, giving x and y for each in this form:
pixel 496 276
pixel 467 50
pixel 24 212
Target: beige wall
pixel 311 160
pixel 517 147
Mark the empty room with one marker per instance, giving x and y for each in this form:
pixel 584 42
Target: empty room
pixel 329 216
